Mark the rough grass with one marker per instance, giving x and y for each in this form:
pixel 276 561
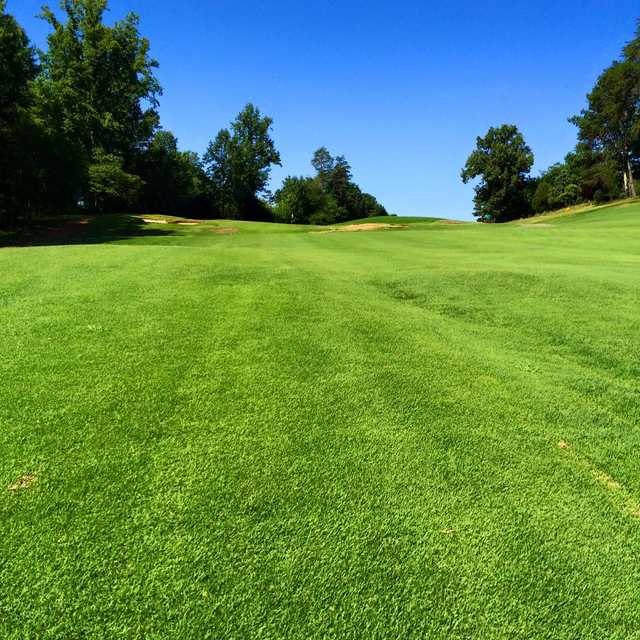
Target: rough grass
pixel 278 434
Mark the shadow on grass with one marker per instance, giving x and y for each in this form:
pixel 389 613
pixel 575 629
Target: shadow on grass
pixel 68 230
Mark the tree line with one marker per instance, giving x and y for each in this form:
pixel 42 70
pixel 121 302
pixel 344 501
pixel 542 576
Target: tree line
pixel 602 167
pixel 80 130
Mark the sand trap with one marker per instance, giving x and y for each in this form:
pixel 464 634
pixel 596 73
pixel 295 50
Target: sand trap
pixel 150 221
pixel 225 230
pixel 187 224
pixel 367 226
pixel 371 226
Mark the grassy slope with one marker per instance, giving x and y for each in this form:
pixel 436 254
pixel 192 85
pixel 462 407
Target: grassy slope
pixel 282 434
pixel 392 220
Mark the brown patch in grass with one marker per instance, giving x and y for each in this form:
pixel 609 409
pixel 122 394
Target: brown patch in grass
pixel 223 231
pixel 448 532
pixel 24 482
pixel 564 445
pixel 367 226
pixel 617 493
pixel 371 226
pixel 188 223
pixel 453 222
pixel 606 480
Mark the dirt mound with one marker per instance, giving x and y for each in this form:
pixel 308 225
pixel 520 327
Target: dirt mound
pixel 225 230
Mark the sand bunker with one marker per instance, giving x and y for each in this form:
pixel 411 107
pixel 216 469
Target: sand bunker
pixel 225 230
pixel 367 226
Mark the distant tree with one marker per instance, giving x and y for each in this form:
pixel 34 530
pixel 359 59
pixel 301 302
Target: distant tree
pixel 611 122
pixel 323 162
pixel 598 173
pixel 371 207
pixel 335 176
pixel 238 163
pixel 219 165
pixel 97 89
pixel 18 181
pixel 174 180
pixel 302 200
pixel 110 186
pixel 502 161
pixel 558 187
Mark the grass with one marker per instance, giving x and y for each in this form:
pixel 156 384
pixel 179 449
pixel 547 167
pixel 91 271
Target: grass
pixel 430 433
pixel 392 220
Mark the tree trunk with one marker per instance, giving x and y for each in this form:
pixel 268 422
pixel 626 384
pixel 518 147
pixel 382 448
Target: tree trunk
pixel 630 184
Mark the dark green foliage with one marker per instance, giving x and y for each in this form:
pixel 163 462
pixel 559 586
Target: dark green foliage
pixel 610 124
pixel 238 163
pixel 98 82
pixel 584 176
pixel 18 132
pixel 111 188
pixel 331 196
pixel 175 181
pixel 97 88
pixel 299 200
pixel 558 187
pixel 502 161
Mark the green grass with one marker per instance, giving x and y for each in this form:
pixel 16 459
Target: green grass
pixel 392 220
pixel 284 434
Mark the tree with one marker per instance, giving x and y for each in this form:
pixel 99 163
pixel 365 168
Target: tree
pixel 336 178
pixel 97 89
pixel 110 186
pixel 238 163
pixel 219 166
pixel 303 201
pixel 17 162
pixel 558 187
pixel 324 163
pixel 611 122
pixel 174 180
pixel 502 160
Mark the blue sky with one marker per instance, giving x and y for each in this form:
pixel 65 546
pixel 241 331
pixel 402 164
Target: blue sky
pixel 401 88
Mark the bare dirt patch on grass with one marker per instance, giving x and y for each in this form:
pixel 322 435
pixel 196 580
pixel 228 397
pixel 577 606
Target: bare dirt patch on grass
pixel 367 226
pixel 371 226
pixel 224 231
pixel 619 495
pixel 23 482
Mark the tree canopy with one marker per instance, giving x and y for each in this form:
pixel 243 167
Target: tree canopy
pixel 502 162
pixel 330 196
pixel 238 162
pixel 18 171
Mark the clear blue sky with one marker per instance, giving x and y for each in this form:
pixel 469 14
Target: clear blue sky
pixel 401 88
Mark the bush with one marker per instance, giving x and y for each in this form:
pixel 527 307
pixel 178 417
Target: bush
pixel 600 197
